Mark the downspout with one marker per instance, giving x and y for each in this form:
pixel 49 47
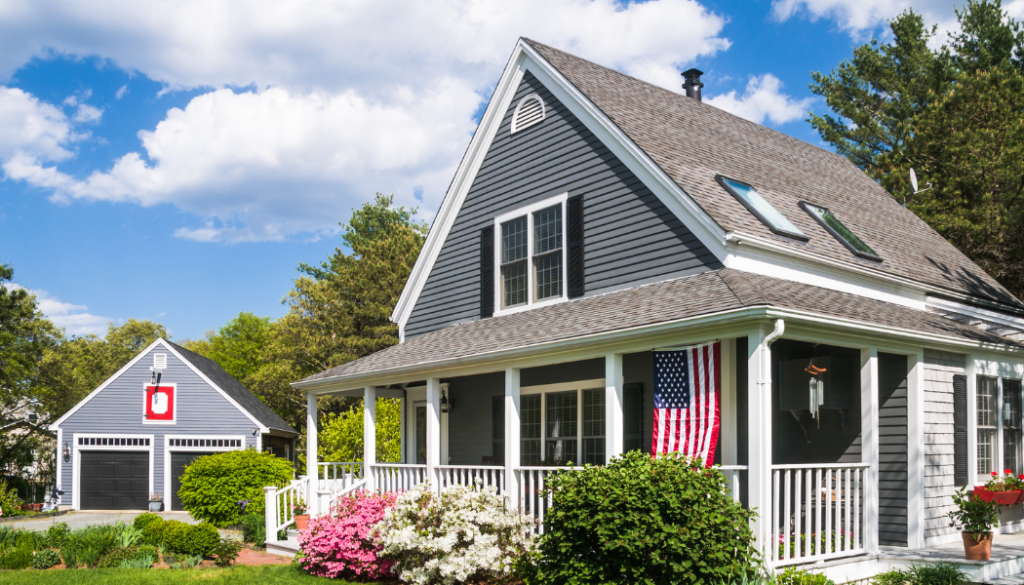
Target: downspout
pixel 764 451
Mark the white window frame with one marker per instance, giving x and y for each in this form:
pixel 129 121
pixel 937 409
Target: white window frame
pixel 579 386
pixel 531 302
pixel 168 448
pixel 417 396
pixel 76 469
pixel 1001 371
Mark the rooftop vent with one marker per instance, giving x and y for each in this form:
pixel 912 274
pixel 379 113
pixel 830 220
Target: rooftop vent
pixel 530 111
pixel 692 84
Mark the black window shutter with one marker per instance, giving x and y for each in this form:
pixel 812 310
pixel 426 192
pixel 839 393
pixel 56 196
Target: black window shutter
pixel 574 241
pixel 961 474
pixel 487 272
pixel 632 416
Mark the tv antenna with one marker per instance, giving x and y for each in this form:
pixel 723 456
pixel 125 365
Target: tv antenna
pixel 913 186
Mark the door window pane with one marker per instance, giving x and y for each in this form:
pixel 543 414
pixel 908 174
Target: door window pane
pixel 987 423
pixel 561 427
pixel 529 429
pixel 593 426
pixel 1012 425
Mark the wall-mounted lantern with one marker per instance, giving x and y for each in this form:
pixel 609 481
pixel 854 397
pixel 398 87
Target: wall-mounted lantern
pixel 67 452
pixel 446 403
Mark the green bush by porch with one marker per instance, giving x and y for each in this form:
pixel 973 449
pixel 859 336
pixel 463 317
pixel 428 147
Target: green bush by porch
pixel 644 520
pixel 212 486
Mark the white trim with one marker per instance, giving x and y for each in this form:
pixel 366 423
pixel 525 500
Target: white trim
pixel 984 314
pixel 515 115
pixel 60 461
pixel 174 403
pixel 528 211
pixel 168 448
pixel 916 456
pixel 76 476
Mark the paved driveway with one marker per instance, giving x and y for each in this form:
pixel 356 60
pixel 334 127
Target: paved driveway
pixel 82 519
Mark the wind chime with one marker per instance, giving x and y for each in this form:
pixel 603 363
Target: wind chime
pixel 815 390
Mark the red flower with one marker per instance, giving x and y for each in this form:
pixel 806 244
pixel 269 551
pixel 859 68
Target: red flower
pixel 1008 472
pixel 994 474
pixel 1021 476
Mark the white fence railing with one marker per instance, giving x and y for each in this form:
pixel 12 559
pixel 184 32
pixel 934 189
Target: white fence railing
pixel 329 472
pixel 471 476
pixel 817 512
pixel 280 503
pixel 334 480
pixel 532 499
pixel 396 477
pixel 734 475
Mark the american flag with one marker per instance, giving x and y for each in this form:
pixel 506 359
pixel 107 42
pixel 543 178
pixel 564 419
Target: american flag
pixel 686 399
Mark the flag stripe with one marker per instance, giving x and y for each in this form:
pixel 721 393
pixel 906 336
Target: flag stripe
pixel 687 402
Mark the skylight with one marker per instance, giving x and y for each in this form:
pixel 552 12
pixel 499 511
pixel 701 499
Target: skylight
pixel 761 209
pixel 831 223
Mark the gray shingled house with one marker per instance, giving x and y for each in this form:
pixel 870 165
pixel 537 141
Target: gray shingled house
pixel 596 221
pixel 135 434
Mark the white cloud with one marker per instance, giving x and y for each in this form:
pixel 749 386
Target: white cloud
pixel 29 127
pixel 349 98
pixel 74 319
pixel 861 17
pixel 120 92
pixel 763 99
pixel 87 113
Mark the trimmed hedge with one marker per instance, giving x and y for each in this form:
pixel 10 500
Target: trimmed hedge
pixel 644 520
pixel 143 520
pixel 212 486
pixel 196 540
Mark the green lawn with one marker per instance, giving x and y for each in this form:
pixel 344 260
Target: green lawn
pixel 265 575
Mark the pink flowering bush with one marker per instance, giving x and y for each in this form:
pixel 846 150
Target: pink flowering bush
pixel 338 544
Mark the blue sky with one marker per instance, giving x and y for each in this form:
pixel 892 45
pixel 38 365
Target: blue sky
pixel 177 162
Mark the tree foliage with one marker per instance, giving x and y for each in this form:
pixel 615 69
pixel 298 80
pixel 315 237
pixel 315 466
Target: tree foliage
pixel 341 434
pixel 953 113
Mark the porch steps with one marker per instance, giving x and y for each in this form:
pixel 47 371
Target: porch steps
pixel 285 548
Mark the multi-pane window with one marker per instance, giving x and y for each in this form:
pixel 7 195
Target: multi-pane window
pixel 593 426
pixel 561 427
pixel 531 257
pixel 988 424
pixel 530 429
pixel 1012 399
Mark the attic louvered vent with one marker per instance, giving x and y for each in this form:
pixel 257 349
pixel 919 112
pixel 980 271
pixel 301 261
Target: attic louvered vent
pixel 160 361
pixel 530 111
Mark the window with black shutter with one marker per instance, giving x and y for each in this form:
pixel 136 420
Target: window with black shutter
pixel 487 272
pixel 961 472
pixel 574 242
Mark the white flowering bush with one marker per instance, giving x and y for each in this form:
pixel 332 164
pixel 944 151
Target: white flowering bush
pixel 460 535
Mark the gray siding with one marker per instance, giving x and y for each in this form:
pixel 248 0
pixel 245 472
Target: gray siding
pixel 892 449
pixel 630 237
pixel 117 410
pixel 940 367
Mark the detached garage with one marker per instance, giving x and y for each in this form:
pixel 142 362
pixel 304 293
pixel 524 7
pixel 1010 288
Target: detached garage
pixel 135 434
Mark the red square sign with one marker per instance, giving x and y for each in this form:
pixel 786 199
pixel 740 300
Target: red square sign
pixel 159 403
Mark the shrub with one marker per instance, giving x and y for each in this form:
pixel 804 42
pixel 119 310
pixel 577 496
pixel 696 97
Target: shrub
pixel 227 551
pixel 459 535
pixel 254 529
pixel 10 503
pixel 143 520
pixel 45 558
pixel 186 539
pixel 114 558
pixel 57 534
pixel 640 519
pixel 16 557
pixel 86 546
pixel 338 544
pixel 794 576
pixel 940 574
pixel 891 577
pixel 212 485
pixel 153 532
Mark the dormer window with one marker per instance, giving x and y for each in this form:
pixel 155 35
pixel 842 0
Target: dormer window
pixel 839 231
pixel 531 254
pixel 762 210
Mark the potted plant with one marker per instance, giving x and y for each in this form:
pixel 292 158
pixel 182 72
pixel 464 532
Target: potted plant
pixel 1004 490
pixel 156 502
pixel 975 518
pixel 301 514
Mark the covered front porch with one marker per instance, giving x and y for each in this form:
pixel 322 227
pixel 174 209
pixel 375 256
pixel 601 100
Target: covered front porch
pixel 809 470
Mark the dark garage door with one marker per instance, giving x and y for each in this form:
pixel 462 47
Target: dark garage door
pixel 179 461
pixel 114 480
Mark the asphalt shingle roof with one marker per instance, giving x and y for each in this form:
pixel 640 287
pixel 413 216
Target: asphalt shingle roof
pixel 651 304
pixel 235 390
pixel 692 141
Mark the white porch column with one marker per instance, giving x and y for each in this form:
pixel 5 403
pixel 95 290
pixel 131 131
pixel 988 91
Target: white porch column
pixel 433 430
pixel 869 444
pixel 369 433
pixel 311 453
pixel 759 436
pixel 613 443
pixel 512 438
pixel 916 456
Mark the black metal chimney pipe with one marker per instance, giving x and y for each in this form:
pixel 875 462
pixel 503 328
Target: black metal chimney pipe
pixel 692 84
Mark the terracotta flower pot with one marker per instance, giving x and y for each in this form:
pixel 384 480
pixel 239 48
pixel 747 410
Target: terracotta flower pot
pixel 301 522
pixel 977 546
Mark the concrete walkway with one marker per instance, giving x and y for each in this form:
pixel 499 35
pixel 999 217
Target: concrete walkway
pixel 83 519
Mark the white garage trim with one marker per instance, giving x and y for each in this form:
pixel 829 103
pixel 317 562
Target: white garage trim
pixel 105 442
pixel 202 443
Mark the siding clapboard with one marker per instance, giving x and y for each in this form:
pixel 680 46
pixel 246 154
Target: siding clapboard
pixel 940 367
pixel 892 449
pixel 630 237
pixel 118 408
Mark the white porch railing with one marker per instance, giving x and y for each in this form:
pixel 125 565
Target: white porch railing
pixel 816 512
pixel 396 477
pixel 333 480
pixel 333 471
pixel 280 513
pixel 471 476
pixel 532 500
pixel 733 475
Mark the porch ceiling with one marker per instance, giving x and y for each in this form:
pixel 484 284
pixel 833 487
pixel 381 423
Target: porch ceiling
pixel 649 306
